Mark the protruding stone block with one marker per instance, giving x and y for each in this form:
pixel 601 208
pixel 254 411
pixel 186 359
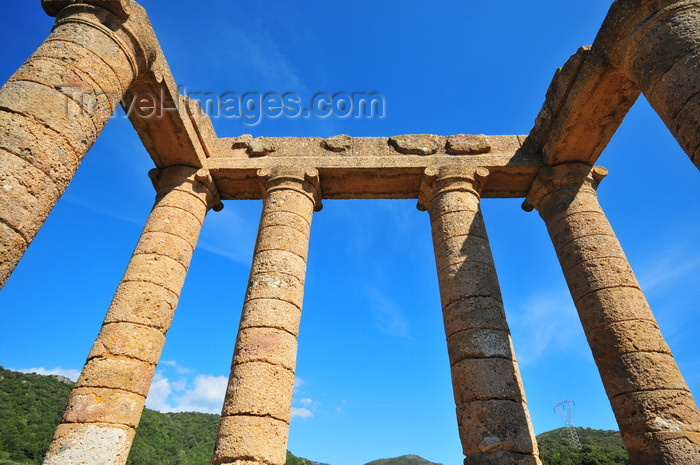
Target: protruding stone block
pixel 250 438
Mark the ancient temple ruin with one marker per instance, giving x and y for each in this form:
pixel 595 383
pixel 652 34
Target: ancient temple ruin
pixel 108 48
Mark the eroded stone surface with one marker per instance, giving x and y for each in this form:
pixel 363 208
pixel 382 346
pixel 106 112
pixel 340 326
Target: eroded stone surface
pixel 420 144
pixel 634 361
pixel 468 144
pixel 339 143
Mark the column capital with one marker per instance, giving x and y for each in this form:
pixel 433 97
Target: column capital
pixel 552 178
pixel 441 179
pixel 125 21
pixel 120 8
pixel 304 180
pixel 165 179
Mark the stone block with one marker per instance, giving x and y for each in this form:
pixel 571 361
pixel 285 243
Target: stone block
pixel 627 336
pixel 125 374
pixel 96 405
pixel 283 238
pixel 27 195
pixel 479 343
pixel 474 312
pixel 595 274
pixel 477 379
pixel 607 306
pixel 143 303
pixel 275 285
pixel 39 146
pixel 258 440
pixel 158 269
pixel 271 313
pixel 462 249
pixel 467 280
pixel 639 371
pixel 270 345
pixel 172 220
pixel 656 411
pixel 168 245
pixel 285 218
pixel 493 426
pixel 87 444
pixel 128 340
pixel 279 261
pixel 456 224
pixel 260 389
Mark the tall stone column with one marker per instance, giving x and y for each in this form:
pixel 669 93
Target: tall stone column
pixel 494 423
pixel 255 417
pixel 54 107
pixel 655 410
pixel 105 406
pixel 662 56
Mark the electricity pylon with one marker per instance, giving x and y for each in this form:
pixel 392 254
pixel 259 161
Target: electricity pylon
pixel 563 408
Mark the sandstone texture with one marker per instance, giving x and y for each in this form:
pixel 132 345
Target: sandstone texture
pixel 638 371
pixel 259 395
pixel 103 52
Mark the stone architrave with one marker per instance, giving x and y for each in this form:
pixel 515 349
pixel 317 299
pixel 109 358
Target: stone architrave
pixel 655 410
pixel 257 410
pixel 105 406
pixel 54 107
pixel 657 44
pixel 494 423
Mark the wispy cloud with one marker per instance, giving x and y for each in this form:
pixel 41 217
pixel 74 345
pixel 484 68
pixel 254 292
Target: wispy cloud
pixel 69 373
pixel 180 369
pixel 229 235
pixel 664 270
pixel 386 316
pixel 548 323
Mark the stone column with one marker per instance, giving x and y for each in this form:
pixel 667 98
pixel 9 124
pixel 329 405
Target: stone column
pixel 255 417
pixel 662 56
pixel 494 423
pixel 654 408
pixel 54 107
pixel 105 406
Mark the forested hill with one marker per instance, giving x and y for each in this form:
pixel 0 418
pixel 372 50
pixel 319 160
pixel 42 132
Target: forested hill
pixel 31 406
pixel 599 447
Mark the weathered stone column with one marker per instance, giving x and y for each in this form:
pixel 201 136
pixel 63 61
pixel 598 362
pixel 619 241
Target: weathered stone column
pixel 494 423
pixel 54 107
pixel 256 413
pixel 105 406
pixel 661 54
pixel 654 408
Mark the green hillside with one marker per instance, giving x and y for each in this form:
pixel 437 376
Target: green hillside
pixel 599 447
pixel 403 460
pixel 31 406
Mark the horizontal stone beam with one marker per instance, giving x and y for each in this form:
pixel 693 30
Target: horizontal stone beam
pixel 585 104
pixel 372 167
pixel 173 128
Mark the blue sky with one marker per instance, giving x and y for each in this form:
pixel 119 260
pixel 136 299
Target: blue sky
pixel 372 373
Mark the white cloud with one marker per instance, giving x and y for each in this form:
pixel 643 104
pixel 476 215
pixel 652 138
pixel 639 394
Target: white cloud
pixel 204 393
pixel 306 401
pixel 158 394
pixel 206 396
pixel 71 374
pixel 301 412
